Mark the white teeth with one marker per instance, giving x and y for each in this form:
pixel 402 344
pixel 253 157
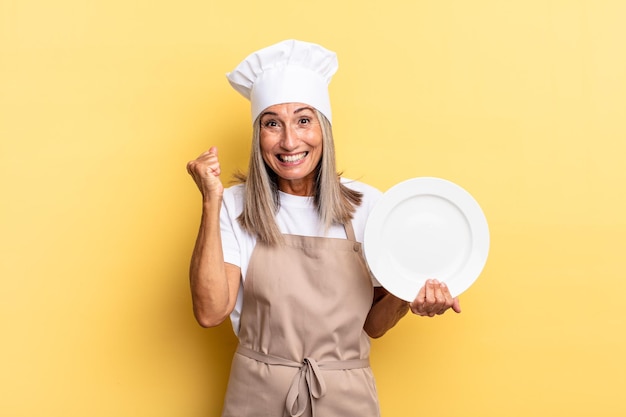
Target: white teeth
pixel 292 158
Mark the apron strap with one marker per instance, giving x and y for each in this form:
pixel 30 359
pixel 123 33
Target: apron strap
pixel 349 231
pixel 308 382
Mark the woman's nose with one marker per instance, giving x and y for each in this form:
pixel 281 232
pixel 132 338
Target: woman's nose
pixel 289 139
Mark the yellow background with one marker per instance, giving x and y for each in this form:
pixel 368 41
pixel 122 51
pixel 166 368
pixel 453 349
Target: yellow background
pixel 102 103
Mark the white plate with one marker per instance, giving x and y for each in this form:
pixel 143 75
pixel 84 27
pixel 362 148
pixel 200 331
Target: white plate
pixel 426 228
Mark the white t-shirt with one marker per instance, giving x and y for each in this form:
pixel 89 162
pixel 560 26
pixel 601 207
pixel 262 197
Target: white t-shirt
pixel 296 216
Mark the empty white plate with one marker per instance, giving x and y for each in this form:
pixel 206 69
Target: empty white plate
pixel 426 228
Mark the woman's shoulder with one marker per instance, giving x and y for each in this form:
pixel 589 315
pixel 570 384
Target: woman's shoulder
pixel 362 187
pixel 233 198
pixel 234 190
pixel 370 194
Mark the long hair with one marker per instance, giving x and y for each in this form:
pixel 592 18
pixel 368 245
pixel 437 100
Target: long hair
pixel 335 203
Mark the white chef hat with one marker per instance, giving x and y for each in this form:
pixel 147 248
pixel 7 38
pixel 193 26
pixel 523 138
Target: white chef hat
pixel 290 71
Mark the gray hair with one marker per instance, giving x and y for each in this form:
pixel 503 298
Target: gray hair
pixel 334 201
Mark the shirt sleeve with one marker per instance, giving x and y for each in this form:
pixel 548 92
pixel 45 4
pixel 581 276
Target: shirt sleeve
pixel 228 226
pixel 233 244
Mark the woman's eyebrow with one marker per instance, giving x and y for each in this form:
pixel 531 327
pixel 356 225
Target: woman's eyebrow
pixel 302 109
pixel 268 113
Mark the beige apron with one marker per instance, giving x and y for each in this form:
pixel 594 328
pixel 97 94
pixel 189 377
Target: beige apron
pixel 302 348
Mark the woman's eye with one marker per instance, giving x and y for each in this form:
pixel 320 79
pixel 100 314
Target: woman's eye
pixel 305 121
pixel 270 123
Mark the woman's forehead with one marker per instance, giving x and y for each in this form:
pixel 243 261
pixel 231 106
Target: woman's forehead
pixel 288 108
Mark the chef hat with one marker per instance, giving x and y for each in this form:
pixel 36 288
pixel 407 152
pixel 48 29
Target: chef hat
pixel 290 71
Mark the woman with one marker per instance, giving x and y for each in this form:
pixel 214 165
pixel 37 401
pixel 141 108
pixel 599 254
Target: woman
pixel 280 253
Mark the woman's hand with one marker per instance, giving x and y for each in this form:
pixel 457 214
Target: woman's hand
pixel 205 171
pixel 434 298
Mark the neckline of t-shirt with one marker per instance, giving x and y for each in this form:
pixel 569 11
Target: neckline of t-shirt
pixel 295 200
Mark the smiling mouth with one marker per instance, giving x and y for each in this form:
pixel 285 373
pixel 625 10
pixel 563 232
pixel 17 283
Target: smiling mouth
pixel 292 158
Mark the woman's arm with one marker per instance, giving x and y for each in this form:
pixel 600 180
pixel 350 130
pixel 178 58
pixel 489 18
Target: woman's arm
pixel 214 283
pixel 386 311
pixel 433 299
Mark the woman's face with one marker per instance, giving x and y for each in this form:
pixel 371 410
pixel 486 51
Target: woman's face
pixel 291 145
